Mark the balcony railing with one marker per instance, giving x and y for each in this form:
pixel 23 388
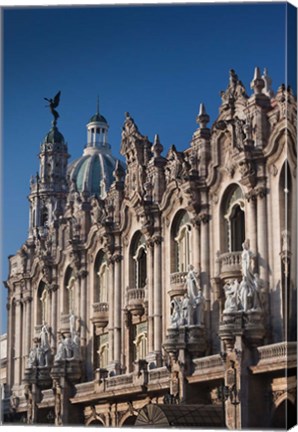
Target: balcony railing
pixel 100 316
pixel 177 283
pixel 135 300
pixel 230 264
pixel 281 350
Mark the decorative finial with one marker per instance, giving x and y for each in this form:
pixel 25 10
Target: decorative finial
pixel 53 103
pixel 202 118
pixel 97 105
pixel 257 83
pixel 157 147
pixel 268 82
pixel 118 172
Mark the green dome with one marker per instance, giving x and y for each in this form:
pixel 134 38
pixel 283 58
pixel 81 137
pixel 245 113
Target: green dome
pixel 97 118
pixel 93 172
pixel 54 136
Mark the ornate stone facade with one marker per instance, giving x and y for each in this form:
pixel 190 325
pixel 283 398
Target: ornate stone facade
pixel 168 280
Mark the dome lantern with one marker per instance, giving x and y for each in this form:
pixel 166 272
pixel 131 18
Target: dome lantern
pixel 97 131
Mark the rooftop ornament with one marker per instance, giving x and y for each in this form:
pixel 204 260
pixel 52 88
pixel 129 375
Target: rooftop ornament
pixel 53 103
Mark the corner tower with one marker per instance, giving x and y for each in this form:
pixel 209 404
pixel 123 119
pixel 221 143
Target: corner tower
pixel 48 189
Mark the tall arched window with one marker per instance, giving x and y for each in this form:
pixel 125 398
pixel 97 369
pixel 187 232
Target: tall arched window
pixel 138 261
pixel 140 341
pixel 101 275
pixel 69 294
pixel 42 304
pixel 181 242
pixel 285 213
pixel 103 351
pixel 232 209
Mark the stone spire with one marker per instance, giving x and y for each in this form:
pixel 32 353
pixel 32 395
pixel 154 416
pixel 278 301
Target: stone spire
pixel 257 83
pixel 157 148
pixel 267 90
pixel 202 118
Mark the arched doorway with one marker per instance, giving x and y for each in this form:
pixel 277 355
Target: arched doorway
pixel 285 415
pixel 130 421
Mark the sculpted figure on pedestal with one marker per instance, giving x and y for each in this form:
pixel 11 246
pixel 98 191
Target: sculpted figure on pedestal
pixel 245 295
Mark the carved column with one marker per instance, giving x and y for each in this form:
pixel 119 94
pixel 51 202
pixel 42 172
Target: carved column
pixel 157 295
pixel 262 234
pixel 117 308
pixel 28 336
pixel 150 270
pixel 204 218
pixel 18 342
pixel 111 310
pixel 196 243
pixel 83 308
pixel 54 311
pixel 251 232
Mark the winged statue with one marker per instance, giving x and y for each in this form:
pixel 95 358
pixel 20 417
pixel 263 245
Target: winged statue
pixel 53 103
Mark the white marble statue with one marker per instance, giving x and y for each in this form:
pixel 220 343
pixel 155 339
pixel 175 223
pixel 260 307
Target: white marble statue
pixel 231 290
pixel 199 307
pixel 192 283
pixel 176 316
pixel 60 355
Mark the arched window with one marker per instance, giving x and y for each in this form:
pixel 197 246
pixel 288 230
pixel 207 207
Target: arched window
pixel 42 304
pixel 181 242
pixel 288 297
pixel 69 294
pixel 233 216
pixel 140 341
pixel 101 276
pixel 103 351
pixel 44 217
pixel 138 261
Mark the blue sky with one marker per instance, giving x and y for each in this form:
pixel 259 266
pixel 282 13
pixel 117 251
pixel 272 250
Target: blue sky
pixel 156 62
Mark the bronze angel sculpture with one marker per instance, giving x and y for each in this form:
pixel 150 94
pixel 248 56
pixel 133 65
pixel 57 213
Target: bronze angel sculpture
pixel 53 103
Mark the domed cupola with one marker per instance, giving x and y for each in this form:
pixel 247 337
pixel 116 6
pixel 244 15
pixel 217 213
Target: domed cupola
pixel 93 171
pixel 54 136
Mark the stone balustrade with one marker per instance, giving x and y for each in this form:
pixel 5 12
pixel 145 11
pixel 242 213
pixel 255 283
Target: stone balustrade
pixel 177 283
pixel 230 265
pixel 282 355
pixel 100 315
pixel 135 300
pixel 119 381
pixel 278 350
pixel 205 368
pixel 158 374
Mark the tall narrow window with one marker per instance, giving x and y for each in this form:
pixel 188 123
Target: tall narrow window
pixel 140 341
pixel 181 242
pixel 101 276
pixel 42 304
pixel 233 234
pixel 69 292
pixel 138 262
pixel 103 351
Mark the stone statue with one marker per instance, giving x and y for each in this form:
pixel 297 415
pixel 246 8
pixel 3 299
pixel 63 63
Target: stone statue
pixel 199 307
pixel 60 355
pixel 176 316
pixel 44 337
pixel 44 345
pixel 192 283
pixel 68 346
pixel 76 348
pixel 245 260
pixel 246 295
pixel 32 359
pixel 53 103
pixel 72 324
pixel 187 310
pixel 231 290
